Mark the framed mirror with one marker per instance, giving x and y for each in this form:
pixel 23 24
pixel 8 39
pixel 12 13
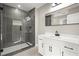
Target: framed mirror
pixel 66 16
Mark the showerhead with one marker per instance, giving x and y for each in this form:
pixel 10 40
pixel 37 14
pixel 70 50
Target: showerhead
pixel 28 18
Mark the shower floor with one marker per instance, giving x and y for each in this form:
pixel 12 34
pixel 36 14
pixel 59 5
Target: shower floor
pixel 14 48
pixel 9 44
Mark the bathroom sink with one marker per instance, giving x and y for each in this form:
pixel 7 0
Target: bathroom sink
pixel 49 36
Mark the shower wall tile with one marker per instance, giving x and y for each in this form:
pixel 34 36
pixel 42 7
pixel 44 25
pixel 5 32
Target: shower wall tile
pixel 32 22
pixel 14 13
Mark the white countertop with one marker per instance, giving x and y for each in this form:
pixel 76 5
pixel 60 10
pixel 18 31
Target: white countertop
pixel 62 37
pixel 70 39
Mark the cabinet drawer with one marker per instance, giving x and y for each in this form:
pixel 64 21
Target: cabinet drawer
pixel 71 47
pixel 68 53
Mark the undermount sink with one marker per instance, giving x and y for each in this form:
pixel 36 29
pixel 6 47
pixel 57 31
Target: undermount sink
pixel 47 34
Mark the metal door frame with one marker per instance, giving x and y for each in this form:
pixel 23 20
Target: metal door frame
pixel 1 43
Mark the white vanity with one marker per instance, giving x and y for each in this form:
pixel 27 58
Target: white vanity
pixel 63 45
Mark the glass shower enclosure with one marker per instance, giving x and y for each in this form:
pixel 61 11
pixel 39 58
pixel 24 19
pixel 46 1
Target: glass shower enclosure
pixel 14 32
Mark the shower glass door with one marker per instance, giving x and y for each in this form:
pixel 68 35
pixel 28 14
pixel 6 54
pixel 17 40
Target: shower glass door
pixel 1 42
pixel 17 32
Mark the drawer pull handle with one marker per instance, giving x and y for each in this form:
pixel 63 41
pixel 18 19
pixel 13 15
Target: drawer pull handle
pixel 51 48
pixel 68 48
pixel 62 53
pixel 42 45
pixel 40 39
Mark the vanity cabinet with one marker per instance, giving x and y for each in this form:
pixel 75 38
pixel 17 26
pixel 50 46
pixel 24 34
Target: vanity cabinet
pixel 57 46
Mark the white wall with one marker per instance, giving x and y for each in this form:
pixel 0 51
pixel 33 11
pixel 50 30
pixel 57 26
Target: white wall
pixel 40 25
pixel 36 26
pixel 41 15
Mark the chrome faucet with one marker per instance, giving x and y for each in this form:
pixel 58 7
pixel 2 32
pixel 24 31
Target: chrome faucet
pixel 57 34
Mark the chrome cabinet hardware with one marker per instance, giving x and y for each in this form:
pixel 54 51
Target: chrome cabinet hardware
pixel 62 53
pixel 40 39
pixel 51 48
pixel 68 48
pixel 42 45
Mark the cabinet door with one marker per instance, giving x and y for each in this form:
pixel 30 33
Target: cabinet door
pixel 52 48
pixel 56 51
pixel 48 50
pixel 48 47
pixel 56 48
pixel 41 46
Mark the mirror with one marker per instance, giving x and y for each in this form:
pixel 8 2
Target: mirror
pixel 65 16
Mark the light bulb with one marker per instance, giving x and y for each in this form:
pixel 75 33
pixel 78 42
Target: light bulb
pixel 19 6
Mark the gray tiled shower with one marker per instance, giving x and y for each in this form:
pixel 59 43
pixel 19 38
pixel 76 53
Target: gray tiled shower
pixel 12 33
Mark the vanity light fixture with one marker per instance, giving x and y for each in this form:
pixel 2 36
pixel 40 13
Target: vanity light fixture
pixel 55 4
pixel 19 6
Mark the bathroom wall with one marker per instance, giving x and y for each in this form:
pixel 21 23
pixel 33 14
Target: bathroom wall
pixel 66 29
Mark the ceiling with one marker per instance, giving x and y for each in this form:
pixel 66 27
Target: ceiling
pixel 26 6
